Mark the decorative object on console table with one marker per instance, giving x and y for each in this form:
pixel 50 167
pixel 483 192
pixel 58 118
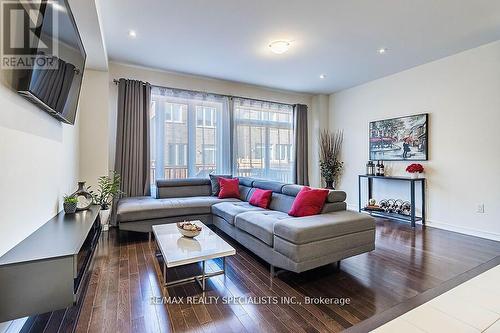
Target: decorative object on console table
pixel 107 189
pixel 83 196
pixel 330 149
pixel 399 139
pixel 69 204
pixel 415 170
pixel 395 209
pixel 396 206
pixel 372 206
pixel 382 169
pixel 370 168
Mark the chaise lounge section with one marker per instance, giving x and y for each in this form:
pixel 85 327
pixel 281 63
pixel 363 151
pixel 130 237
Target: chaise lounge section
pixel 296 244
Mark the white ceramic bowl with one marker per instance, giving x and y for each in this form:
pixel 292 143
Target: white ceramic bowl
pixel 187 233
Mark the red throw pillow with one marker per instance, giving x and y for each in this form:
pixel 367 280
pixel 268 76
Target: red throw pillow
pixel 261 198
pixel 229 188
pixel 308 202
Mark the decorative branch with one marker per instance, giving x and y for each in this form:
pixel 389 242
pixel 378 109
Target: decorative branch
pixel 330 150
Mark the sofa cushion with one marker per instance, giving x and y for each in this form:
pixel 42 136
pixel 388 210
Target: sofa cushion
pixel 333 195
pixel 228 210
pixel 214 182
pixel 281 202
pixel 307 229
pixel 291 189
pixel 182 182
pixel 181 188
pixel 145 208
pixel 246 181
pixel 229 188
pixel 244 191
pixel 268 185
pixel 326 247
pixel 260 223
pixel 308 202
pixel 261 198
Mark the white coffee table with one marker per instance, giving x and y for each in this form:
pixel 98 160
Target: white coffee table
pixel 178 250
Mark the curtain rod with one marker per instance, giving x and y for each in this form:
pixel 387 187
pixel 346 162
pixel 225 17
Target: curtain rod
pixel 115 81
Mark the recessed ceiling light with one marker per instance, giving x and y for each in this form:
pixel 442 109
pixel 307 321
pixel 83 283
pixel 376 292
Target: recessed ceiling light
pixel 279 46
pixel 382 50
pixel 132 34
pixel 322 76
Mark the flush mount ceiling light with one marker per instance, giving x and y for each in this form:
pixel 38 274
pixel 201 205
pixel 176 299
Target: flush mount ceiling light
pixel 322 76
pixel 382 50
pixel 279 46
pixel 132 34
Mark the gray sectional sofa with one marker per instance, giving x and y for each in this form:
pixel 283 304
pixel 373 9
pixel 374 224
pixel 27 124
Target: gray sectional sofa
pixel 293 243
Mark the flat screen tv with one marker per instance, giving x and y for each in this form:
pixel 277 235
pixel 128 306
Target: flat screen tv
pixel 54 77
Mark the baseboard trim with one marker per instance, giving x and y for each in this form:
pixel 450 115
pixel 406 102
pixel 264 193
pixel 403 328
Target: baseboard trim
pixel 464 230
pixel 450 227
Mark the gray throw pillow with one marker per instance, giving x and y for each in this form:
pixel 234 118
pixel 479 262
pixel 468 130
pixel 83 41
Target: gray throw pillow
pixel 214 180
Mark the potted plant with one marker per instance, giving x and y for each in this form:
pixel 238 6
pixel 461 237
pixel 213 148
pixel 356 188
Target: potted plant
pixel 330 163
pixel 108 187
pixel 415 169
pixel 69 204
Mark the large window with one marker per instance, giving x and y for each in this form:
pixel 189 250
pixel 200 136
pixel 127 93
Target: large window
pixel 194 134
pixel 187 134
pixel 263 140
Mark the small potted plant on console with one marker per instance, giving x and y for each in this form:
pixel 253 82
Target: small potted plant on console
pixel 107 189
pixel 69 204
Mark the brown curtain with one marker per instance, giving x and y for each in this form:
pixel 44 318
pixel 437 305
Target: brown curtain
pixel 301 142
pixel 132 137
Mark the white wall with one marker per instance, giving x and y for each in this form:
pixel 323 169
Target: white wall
pixel 93 124
pixel 462 95
pixel 38 165
pixel 318 121
pixel 182 81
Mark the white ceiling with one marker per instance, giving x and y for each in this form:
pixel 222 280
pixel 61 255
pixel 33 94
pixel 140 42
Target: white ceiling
pixel 228 39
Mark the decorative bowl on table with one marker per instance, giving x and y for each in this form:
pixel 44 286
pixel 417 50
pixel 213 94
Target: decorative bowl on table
pixel 188 229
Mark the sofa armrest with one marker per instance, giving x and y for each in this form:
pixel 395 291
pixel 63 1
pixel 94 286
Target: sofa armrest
pixel 307 229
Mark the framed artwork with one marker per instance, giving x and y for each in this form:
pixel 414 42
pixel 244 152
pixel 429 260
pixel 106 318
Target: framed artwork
pixel 399 139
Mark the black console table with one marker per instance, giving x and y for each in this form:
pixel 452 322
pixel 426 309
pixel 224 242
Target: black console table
pixel 412 181
pixel 47 270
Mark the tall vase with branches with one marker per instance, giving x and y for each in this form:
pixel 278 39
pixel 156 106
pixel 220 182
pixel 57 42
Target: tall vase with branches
pixel 330 163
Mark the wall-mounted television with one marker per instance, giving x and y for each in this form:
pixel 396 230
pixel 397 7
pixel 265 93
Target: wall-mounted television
pixel 54 77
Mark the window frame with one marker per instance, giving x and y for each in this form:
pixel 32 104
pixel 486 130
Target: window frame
pixel 244 115
pixel 205 122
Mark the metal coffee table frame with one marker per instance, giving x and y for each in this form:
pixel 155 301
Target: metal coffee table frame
pixel 200 279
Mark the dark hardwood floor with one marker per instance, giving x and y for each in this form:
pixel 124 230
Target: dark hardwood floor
pixel 405 264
